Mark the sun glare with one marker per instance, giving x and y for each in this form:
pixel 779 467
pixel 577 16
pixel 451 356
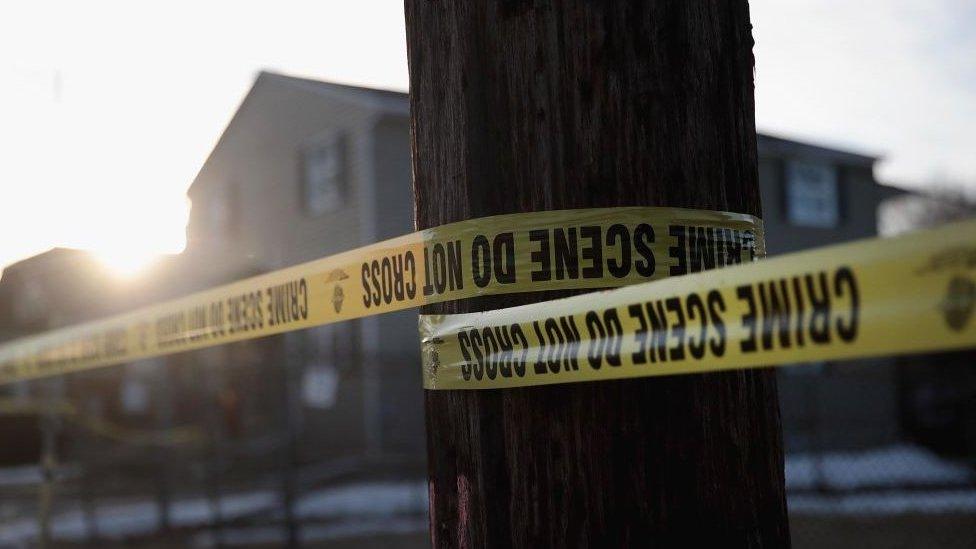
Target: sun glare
pixel 126 263
pixel 151 233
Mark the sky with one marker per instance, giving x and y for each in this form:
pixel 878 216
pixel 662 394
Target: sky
pixel 108 109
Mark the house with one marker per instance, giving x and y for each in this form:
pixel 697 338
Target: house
pixel 309 168
pixel 306 169
pixel 815 196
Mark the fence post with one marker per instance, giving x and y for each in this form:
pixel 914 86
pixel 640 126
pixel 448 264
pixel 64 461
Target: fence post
pixel 88 482
pixel 296 356
pixel 215 448
pixel 166 455
pixel 521 106
pixel 50 428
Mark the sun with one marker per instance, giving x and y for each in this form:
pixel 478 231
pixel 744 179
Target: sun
pixel 126 262
pixel 150 234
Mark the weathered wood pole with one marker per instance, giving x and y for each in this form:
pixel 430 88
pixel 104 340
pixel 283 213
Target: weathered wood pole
pixel 520 106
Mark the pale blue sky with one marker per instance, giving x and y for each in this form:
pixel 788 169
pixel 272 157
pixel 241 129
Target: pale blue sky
pixel 107 109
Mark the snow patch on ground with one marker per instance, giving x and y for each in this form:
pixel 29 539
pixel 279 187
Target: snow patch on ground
pixel 382 498
pixel 883 481
pixel 891 467
pixel 314 533
pixel 373 506
pixel 891 502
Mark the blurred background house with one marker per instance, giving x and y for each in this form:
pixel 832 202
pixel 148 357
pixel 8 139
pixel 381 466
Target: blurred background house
pixel 815 196
pixel 307 169
pixel 318 436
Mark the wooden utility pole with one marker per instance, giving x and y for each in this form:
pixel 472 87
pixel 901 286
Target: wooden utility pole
pixel 520 106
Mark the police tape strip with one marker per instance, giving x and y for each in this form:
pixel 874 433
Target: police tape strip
pixel 138 437
pixel 565 249
pixel 910 294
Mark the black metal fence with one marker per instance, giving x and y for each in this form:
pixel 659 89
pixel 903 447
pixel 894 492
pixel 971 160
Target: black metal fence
pixel 882 454
pixel 268 444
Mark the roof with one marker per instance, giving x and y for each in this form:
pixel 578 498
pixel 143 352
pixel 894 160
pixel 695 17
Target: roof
pixel 769 145
pixel 384 100
pixel 351 91
pixel 397 102
pixel 53 258
pixel 779 147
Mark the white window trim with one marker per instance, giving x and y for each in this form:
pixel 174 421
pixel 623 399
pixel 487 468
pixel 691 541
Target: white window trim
pixel 801 195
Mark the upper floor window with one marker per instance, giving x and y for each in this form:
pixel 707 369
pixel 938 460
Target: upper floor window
pixel 220 214
pixel 218 211
pixel 811 194
pixel 324 167
pixel 33 303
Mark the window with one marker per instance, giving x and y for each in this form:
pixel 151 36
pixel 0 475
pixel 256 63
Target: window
pixel 328 354
pixel 134 395
pixel 320 385
pixel 811 195
pixel 219 211
pixel 324 171
pixel 219 214
pixel 34 303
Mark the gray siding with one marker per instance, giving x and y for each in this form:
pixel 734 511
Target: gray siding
pixel 401 394
pixel 839 405
pixel 858 209
pixel 257 168
pixel 258 165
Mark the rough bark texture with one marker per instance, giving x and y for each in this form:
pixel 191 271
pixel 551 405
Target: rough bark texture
pixel 521 106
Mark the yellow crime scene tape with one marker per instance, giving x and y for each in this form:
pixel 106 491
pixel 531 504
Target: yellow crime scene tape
pixel 565 249
pixel 910 294
pixel 141 437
